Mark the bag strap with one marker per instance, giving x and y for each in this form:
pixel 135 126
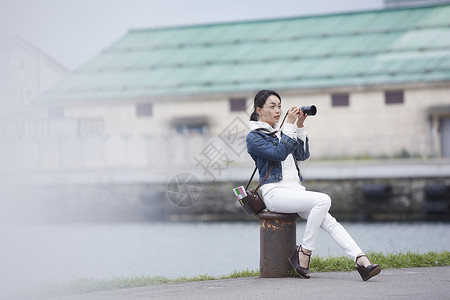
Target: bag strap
pixel 264 179
pixel 251 177
pixel 267 175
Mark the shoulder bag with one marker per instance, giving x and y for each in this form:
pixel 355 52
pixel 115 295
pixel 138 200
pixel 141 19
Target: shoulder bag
pixel 252 203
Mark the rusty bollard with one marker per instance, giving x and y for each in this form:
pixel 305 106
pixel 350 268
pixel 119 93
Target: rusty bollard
pixel 277 242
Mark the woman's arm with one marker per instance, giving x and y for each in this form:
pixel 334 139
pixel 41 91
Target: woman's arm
pixel 302 152
pixel 259 146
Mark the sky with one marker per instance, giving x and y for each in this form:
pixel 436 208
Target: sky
pixel 74 31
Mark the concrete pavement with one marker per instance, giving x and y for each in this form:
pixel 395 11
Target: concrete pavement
pixel 411 283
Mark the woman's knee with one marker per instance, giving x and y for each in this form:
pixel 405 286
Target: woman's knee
pixel 325 200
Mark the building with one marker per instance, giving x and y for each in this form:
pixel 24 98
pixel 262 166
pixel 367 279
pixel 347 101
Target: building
pixel 25 72
pixel 411 3
pixel 380 80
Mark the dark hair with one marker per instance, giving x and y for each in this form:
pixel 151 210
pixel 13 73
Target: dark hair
pixel 260 100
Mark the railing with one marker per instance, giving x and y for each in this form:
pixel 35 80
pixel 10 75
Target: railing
pixel 139 151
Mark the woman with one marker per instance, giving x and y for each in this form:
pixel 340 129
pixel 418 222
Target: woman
pixel 278 153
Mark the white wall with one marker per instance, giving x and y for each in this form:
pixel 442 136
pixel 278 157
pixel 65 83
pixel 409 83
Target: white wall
pixel 366 128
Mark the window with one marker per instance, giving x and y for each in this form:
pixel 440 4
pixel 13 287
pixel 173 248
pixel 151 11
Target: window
pixel 144 109
pixel 190 130
pixel 340 100
pixel 196 125
pixel 393 97
pixel 237 104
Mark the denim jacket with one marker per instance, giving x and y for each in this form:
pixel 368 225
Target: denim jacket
pixel 265 148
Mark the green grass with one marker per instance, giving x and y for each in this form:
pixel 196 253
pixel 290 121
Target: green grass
pixel 318 264
pixel 386 261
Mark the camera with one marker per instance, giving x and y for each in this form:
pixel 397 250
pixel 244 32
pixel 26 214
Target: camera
pixel 310 110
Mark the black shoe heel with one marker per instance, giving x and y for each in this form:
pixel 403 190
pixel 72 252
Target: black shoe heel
pixel 369 271
pixel 295 262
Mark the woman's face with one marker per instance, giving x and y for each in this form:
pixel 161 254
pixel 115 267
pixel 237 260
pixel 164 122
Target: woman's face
pixel 271 111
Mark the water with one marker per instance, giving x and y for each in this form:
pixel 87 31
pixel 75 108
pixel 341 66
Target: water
pixel 31 255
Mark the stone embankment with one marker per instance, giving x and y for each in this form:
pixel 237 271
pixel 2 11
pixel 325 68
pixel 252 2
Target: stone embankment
pixel 387 190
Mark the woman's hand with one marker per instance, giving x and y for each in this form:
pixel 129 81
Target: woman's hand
pixel 292 115
pixel 301 118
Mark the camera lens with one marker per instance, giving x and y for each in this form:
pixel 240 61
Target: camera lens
pixel 310 110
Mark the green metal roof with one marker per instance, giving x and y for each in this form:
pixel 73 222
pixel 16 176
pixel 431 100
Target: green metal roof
pixel 351 49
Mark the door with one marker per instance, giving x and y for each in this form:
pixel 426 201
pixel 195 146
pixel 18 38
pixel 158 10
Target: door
pixel 445 137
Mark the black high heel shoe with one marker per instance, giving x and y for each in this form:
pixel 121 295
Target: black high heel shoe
pixel 295 262
pixel 369 271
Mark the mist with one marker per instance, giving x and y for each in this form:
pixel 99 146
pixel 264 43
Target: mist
pixel 145 178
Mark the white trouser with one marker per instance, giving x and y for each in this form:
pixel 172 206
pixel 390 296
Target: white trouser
pixel 313 207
